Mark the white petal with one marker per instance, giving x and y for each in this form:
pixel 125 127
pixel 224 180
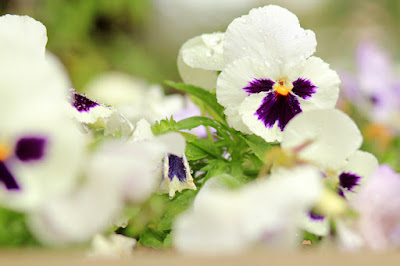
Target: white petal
pixel 326 80
pixel 333 137
pixel 235 119
pixel 202 78
pixel 247 111
pixel 25 32
pixel 113 246
pixel 269 33
pixel 142 131
pixel 204 52
pixel 77 217
pixel 238 75
pixel 317 227
pixel 363 164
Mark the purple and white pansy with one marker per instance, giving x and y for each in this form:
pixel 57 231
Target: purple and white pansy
pixel 173 169
pixel 270 75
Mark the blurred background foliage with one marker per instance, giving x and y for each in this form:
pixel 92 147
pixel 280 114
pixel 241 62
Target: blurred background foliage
pixel 142 37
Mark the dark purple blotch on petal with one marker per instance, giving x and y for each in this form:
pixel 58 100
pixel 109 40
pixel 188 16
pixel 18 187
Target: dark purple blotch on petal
pixel 348 180
pixel 176 167
pixel 259 85
pixel 7 178
pixel 30 148
pixel 82 103
pixel 276 107
pixel 315 216
pixel 303 88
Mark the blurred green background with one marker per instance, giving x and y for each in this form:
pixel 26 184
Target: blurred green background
pixel 142 37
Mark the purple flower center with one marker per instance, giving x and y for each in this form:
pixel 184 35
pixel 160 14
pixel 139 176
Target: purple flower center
pixel 276 106
pixel 81 102
pixel 30 148
pixel 315 216
pixel 176 168
pixel 349 181
pixel 26 149
pixel 7 178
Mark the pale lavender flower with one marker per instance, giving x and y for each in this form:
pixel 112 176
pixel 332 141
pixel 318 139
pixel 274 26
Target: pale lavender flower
pixel 378 205
pixel 376 88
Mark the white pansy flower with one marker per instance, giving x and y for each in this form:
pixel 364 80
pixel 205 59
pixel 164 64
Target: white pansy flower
pixel 270 75
pixel 230 221
pixel 134 98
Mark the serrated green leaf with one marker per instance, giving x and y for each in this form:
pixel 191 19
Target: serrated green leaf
pixel 194 153
pixel 168 241
pixel 180 203
pixel 215 109
pixel 152 238
pixel 258 145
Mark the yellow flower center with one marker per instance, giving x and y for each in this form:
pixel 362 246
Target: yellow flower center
pixel 283 87
pixel 5 152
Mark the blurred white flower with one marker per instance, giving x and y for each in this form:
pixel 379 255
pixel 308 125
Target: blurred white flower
pixel 134 98
pixel 265 211
pixel 112 246
pixel 41 148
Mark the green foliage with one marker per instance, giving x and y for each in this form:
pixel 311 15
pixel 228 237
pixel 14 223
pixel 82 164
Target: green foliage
pixel 177 205
pixel 257 145
pixel 14 231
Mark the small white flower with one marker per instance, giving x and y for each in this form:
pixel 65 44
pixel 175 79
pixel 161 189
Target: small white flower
pixel 176 175
pixel 270 75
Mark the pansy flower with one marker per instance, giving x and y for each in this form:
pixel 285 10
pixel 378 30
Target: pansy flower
pixel 330 140
pixel 176 175
pixel 270 75
pixel 379 103
pixel 90 112
pixel 174 168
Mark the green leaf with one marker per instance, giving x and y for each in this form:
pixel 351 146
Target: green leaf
pixel 180 203
pixel 195 121
pixel 215 109
pixel 258 145
pixel 194 153
pixel 168 241
pixel 14 231
pixel 152 238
